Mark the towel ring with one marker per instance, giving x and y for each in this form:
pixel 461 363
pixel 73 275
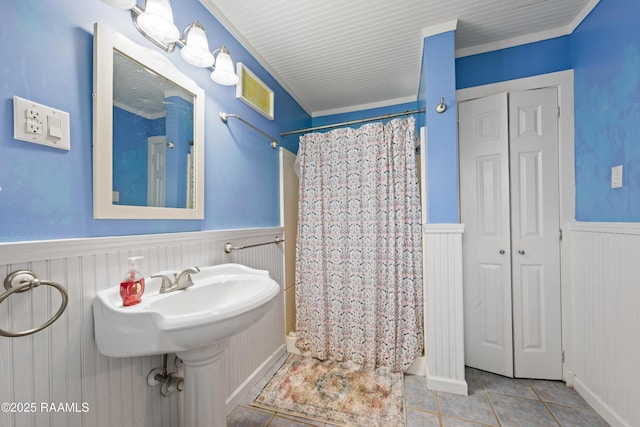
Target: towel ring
pixel 26 283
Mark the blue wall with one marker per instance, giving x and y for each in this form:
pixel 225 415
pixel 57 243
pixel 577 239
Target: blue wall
pixel 438 81
pixel 606 59
pixel 46 193
pixel 517 62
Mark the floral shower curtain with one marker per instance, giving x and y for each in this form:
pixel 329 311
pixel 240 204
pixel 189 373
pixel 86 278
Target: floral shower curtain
pixel 359 260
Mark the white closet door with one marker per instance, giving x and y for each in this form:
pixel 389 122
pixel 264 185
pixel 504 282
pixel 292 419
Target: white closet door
pixel 511 251
pixel 535 232
pixel 484 209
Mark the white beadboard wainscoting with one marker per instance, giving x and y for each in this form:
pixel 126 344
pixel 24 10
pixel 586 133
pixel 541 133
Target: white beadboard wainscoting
pixel 602 317
pixel 444 327
pixel 61 365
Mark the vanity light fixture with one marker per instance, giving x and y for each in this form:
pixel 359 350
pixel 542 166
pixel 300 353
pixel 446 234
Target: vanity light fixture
pixel 223 72
pixel 155 22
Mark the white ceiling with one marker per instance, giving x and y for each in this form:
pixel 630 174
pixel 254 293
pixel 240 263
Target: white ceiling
pixel 336 56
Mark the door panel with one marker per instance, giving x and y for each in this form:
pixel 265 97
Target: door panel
pixel 484 192
pixel 535 225
pixel 529 207
pixel 489 200
pixel 490 277
pixel 533 337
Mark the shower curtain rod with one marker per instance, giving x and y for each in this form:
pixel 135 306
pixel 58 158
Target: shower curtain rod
pixel 353 122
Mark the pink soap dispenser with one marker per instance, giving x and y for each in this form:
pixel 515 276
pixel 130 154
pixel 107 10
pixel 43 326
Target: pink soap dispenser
pixel 132 285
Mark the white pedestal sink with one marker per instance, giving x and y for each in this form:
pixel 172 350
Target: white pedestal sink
pixel 195 323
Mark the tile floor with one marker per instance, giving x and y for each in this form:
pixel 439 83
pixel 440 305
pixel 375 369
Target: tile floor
pixel 493 401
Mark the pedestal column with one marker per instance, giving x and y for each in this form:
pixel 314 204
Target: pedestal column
pixel 205 396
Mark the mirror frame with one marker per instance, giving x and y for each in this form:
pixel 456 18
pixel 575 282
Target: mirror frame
pixel 105 42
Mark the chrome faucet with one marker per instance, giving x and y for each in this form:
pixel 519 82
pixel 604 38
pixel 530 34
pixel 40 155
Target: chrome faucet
pixel 180 280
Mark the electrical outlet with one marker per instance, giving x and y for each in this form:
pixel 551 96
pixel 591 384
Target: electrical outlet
pixel 32 113
pixel 40 124
pixel 34 127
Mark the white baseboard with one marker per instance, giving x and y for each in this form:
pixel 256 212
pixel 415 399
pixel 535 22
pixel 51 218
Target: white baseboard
pixel 568 376
pixel 600 407
pixel 234 399
pixel 447 385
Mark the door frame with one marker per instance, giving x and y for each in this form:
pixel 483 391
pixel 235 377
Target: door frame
pixel 563 80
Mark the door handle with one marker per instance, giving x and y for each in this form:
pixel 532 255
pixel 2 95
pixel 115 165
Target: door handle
pixel 521 252
pixel 501 252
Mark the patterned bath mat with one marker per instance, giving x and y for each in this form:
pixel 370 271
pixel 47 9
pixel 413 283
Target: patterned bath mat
pixel 340 393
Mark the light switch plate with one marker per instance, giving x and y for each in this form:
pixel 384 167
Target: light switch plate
pixel 616 176
pixel 32 122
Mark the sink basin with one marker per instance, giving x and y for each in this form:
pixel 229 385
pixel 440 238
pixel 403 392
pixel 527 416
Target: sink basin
pixel 223 301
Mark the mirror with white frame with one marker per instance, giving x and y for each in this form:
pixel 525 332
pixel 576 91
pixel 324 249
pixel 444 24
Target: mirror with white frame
pixel 148 134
